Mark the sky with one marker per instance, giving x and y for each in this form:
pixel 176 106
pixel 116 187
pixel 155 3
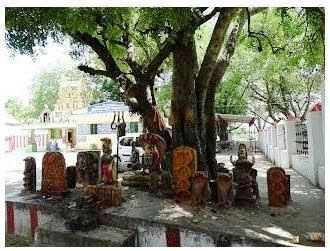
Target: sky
pixel 21 69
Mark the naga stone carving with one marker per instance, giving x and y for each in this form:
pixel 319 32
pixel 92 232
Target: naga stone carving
pixel 71 176
pixel 108 165
pixel 134 160
pixel 245 179
pixel 277 187
pixel 30 179
pixel 184 168
pixel 88 168
pixel 199 190
pixel 225 190
pixel 53 174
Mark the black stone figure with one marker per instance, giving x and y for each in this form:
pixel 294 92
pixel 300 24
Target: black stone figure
pixel 30 177
pixel 93 167
pixel 71 176
pixel 88 167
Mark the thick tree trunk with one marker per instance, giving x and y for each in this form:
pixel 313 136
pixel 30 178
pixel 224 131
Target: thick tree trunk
pixel 208 65
pixel 217 75
pixel 185 123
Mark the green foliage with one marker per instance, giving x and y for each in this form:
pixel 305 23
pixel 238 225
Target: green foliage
pixel 44 90
pixel 292 44
pixel 101 88
pixel 16 108
pixel 163 97
pixel 231 98
pixel 286 73
pixel 28 28
pixel 202 37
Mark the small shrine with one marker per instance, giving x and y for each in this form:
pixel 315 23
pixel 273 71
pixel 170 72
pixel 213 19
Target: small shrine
pixel 46 115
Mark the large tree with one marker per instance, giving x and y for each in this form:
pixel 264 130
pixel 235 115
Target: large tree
pixel 135 45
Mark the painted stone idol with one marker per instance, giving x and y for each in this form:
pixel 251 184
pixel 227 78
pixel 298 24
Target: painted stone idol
pixel 108 165
pixel 184 168
pixel 199 189
pixel 277 187
pixel 53 174
pixel 154 147
pixel 225 190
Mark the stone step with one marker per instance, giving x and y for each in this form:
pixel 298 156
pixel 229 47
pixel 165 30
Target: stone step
pixel 53 233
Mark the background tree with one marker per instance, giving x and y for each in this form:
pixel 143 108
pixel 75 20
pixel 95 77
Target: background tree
pixel 16 108
pixel 291 71
pixel 44 90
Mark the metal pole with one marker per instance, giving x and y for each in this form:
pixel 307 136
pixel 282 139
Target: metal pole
pixel 117 160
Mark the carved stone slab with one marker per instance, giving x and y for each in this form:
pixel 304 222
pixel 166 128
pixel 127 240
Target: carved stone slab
pixel 199 189
pixel 53 174
pixel 225 190
pixel 277 187
pixel 184 167
pixel 88 168
pixel 30 181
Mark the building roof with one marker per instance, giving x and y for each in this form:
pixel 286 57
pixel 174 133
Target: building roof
pixel 231 118
pixel 50 125
pixel 104 107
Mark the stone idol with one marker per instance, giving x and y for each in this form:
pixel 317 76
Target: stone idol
pixel 30 179
pixel 88 168
pixel 245 179
pixel 277 187
pixel 53 174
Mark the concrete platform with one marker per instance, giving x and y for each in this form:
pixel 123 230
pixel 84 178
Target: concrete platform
pixel 53 233
pixel 152 217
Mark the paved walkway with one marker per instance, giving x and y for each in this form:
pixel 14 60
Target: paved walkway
pixel 308 202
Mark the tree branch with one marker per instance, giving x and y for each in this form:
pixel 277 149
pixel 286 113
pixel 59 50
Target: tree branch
pixel 101 51
pixel 163 53
pixel 91 71
pixel 208 16
pixel 259 34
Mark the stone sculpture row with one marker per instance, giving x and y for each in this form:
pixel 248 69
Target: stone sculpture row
pixel 57 179
pixel 98 175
